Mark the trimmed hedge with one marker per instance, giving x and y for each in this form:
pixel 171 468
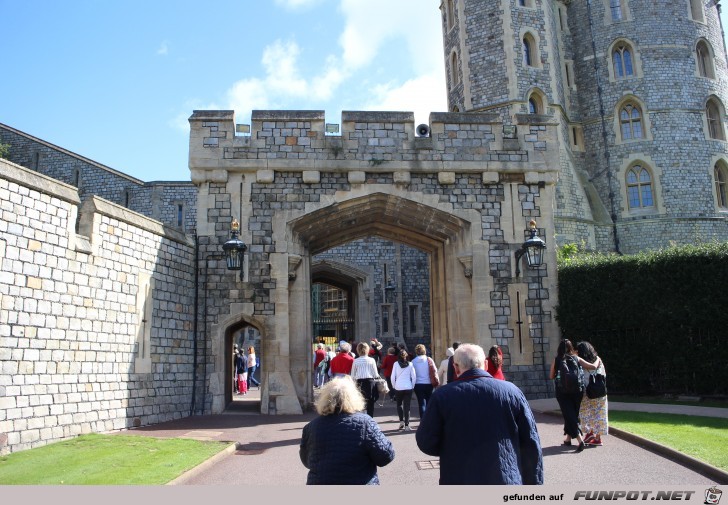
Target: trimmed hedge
pixel 658 319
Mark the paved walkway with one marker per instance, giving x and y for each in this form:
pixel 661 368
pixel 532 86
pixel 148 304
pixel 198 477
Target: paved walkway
pixel 267 450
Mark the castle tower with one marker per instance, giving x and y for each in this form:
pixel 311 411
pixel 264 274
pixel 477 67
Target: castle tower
pixel 638 89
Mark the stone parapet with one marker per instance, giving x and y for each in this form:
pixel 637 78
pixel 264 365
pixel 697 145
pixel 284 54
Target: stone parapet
pixel 375 142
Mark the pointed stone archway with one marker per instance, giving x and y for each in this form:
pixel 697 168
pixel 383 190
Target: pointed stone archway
pixel 442 234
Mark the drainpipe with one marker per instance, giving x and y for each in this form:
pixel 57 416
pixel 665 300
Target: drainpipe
pixel 605 137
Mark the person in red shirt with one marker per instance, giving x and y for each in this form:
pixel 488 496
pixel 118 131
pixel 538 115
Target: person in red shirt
pixel 495 363
pixel 342 362
pixel 386 366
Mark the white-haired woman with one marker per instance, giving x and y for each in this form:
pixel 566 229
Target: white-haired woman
pixel 364 372
pixel 343 445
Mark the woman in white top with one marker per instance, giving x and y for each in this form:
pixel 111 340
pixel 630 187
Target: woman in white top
pixel 423 384
pixel 252 365
pixel 403 382
pixel 364 372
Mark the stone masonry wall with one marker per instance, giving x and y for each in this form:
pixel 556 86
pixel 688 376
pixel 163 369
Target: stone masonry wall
pixel 75 354
pixel 157 200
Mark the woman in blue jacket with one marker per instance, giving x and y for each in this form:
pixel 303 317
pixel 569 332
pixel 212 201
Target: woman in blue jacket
pixel 343 445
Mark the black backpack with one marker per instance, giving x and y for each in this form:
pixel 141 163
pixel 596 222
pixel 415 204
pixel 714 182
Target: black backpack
pixel 569 376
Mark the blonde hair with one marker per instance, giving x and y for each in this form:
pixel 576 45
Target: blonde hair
pixel 362 349
pixel 420 350
pixel 340 395
pixel 251 349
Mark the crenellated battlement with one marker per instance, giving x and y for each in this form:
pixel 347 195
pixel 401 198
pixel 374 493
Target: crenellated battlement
pixel 372 142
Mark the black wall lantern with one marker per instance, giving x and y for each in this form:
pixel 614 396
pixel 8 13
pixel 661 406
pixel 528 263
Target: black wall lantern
pixel 533 249
pixel 235 249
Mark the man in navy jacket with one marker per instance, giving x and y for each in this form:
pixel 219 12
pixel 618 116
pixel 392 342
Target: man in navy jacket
pixel 482 428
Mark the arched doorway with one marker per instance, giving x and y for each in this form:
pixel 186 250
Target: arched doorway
pixel 241 336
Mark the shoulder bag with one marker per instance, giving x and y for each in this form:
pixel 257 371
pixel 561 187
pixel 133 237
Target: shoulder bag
pixel 597 386
pixel 434 379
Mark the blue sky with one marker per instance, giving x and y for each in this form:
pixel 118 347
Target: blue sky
pixel 116 81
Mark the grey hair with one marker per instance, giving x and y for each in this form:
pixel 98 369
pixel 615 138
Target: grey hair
pixel 469 356
pixel 340 395
pixel 319 346
pixel 345 347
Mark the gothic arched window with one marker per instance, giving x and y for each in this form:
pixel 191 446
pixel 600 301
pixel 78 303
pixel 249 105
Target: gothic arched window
pixel 622 57
pixel 639 188
pixel 454 70
pixel 720 173
pixel 534 105
pixel 630 120
pixel 715 119
pixel 705 60
pixel 529 50
pixel 616 9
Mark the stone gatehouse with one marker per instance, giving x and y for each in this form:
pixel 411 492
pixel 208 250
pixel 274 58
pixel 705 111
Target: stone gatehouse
pixel 463 196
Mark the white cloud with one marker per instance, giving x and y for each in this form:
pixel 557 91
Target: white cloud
pixel 296 4
pixel 163 48
pixel 371 24
pixel 281 65
pixel 368 28
pixel 283 84
pixel 421 95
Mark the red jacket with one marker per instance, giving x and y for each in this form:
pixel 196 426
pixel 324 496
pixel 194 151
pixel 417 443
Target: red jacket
pixel 497 373
pixel 387 364
pixel 341 363
pixel 320 356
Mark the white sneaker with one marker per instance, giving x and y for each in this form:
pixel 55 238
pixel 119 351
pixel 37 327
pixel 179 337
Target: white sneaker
pixel 401 425
pixel 407 428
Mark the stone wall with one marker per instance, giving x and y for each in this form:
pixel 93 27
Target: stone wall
pixel 96 327
pixel 158 200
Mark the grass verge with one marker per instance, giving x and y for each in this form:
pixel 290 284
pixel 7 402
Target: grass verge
pixel 704 438
pixel 106 460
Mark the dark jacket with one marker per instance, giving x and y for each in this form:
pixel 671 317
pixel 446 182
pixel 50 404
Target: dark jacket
pixel 239 364
pixel 450 370
pixel 484 432
pixel 344 449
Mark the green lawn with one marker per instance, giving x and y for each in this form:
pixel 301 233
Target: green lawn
pixel 704 438
pixel 106 460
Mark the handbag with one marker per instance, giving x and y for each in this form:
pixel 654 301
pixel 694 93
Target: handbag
pixel 382 386
pixel 597 386
pixel 434 379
